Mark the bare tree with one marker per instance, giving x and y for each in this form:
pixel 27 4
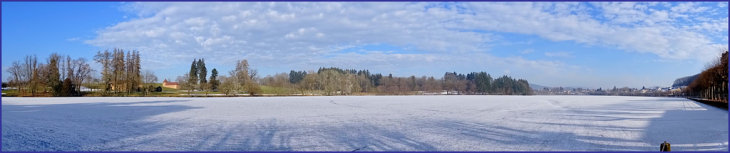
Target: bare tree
pixel 148 76
pixel 310 82
pixel 83 70
pixel 183 80
pixel 17 76
pixel 105 59
pixel 253 73
pixel 70 67
pixel 242 78
pixel 227 85
pixel 28 71
pixel 38 79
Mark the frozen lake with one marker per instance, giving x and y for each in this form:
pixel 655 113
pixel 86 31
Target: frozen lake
pixel 362 123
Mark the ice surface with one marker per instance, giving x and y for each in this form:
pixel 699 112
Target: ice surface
pixel 362 123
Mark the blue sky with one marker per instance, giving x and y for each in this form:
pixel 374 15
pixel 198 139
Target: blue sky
pixel 550 44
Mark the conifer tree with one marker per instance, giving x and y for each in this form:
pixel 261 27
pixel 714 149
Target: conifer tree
pixel 193 77
pixel 202 71
pixel 214 80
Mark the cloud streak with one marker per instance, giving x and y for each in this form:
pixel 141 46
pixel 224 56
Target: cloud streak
pixel 559 54
pixel 295 34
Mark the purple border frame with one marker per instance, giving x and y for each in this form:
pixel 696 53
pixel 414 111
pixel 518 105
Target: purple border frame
pixel 329 1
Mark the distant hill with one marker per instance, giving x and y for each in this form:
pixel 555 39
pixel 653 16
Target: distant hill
pixel 684 81
pixel 535 87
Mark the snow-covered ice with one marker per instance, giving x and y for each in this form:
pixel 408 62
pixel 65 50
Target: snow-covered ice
pixel 362 123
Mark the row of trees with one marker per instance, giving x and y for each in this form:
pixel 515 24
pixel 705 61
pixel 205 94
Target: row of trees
pixel 120 73
pixel 59 76
pixel 196 78
pixel 240 80
pixel 64 76
pixel 712 83
pixel 347 81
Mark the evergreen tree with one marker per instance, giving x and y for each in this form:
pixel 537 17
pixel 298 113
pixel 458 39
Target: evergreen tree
pixel 67 89
pixel 192 77
pixel 137 70
pixel 296 76
pixel 202 71
pixel 119 69
pixel 214 80
pixel 54 76
pixel 128 76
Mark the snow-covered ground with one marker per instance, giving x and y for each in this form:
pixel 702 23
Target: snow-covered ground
pixel 362 123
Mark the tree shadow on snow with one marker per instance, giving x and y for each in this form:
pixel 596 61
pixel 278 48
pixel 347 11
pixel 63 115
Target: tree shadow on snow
pixel 698 127
pixel 78 127
pixel 272 135
pixel 701 129
pixel 496 137
pixel 654 99
pixel 369 137
pixel 691 126
pixel 260 136
pixel 75 127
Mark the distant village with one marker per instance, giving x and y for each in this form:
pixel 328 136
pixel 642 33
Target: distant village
pixel 624 91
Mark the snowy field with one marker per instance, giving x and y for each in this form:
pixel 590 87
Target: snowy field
pixel 362 123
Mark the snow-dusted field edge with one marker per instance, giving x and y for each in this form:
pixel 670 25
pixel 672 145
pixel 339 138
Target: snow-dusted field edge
pixel 363 123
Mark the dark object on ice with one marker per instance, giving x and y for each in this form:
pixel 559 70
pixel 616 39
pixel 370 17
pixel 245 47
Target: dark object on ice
pixel 665 147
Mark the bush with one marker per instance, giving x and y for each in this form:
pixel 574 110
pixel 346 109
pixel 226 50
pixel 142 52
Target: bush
pixel 252 88
pixel 67 88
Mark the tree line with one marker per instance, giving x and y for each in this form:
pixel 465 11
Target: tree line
pixel 121 75
pixel 240 80
pixel 59 76
pixel 336 81
pixel 712 83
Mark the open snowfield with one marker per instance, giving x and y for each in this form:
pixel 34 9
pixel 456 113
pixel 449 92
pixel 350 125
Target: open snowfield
pixel 362 123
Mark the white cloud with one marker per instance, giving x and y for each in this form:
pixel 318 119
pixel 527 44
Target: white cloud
pixel 527 51
pixel 287 30
pixel 73 39
pixel 690 7
pixel 286 33
pixel 718 27
pixel 664 40
pixel 559 54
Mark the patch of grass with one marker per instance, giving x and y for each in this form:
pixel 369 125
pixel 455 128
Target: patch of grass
pixel 16 93
pixel 278 90
pixel 10 93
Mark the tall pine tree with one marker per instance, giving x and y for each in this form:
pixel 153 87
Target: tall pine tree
pixel 54 76
pixel 202 71
pixel 214 80
pixel 192 77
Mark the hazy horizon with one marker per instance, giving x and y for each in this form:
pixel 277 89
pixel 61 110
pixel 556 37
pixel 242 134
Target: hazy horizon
pixel 594 44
